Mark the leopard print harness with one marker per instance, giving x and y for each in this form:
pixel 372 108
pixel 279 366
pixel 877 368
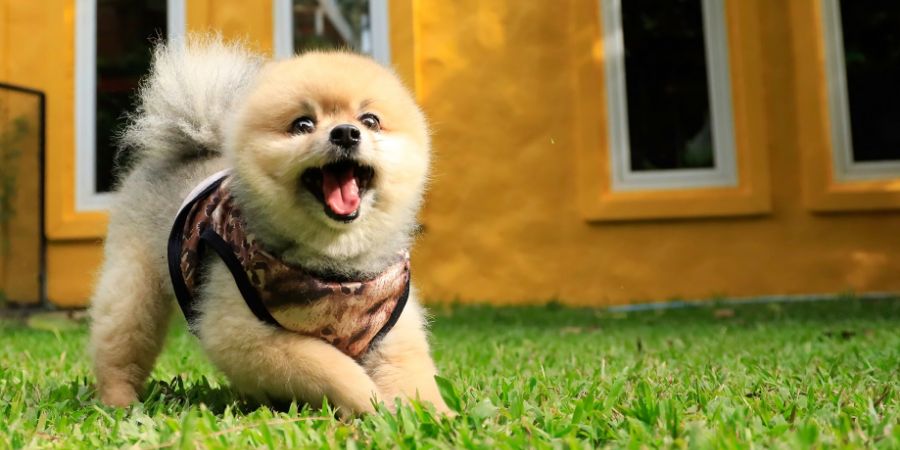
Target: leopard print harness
pixel 351 315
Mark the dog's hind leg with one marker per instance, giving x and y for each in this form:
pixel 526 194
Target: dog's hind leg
pixel 401 363
pixel 129 317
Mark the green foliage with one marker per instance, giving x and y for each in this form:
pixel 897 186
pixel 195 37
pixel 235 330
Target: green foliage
pixel 10 151
pixel 803 375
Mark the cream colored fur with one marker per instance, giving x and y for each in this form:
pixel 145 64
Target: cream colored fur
pixel 208 106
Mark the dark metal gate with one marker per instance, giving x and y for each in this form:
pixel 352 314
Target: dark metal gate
pixel 22 243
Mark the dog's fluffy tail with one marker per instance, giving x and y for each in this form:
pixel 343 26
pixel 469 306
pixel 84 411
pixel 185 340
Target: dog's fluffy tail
pixel 185 101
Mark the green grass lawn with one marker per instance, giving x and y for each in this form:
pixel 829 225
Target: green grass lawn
pixel 798 375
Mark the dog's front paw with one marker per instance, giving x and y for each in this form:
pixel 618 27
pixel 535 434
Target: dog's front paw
pixel 118 395
pixel 349 405
pixel 437 402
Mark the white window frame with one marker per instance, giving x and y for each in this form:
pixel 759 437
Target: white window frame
pixel 845 167
pixel 623 178
pixel 86 196
pixel 378 43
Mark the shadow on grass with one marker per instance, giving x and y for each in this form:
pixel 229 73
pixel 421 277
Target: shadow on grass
pixel 177 392
pixel 164 395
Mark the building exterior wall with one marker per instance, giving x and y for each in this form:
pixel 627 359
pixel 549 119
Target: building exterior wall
pixel 501 81
pixel 517 210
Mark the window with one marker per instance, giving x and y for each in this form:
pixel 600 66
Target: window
pixel 113 42
pixel 845 65
pixel 863 66
pixel 668 94
pixel 21 193
pixel 361 25
pixel 669 122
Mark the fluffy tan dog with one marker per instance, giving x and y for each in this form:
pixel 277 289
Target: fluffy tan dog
pixel 328 156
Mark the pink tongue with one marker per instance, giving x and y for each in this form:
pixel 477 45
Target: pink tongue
pixel 341 191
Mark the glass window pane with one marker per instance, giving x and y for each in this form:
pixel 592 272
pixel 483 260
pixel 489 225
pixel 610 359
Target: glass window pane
pixel 331 24
pixel 20 195
pixel 665 76
pixel 125 31
pixel 871 32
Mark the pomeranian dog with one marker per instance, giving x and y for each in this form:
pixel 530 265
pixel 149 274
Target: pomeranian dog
pixel 276 201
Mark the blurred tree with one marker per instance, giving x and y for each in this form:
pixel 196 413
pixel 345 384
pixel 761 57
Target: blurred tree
pixel 11 138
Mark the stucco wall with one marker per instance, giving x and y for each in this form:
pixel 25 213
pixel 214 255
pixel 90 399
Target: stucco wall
pixel 502 221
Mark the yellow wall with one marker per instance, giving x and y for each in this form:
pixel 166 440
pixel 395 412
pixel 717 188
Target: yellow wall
pixel 498 80
pixel 503 82
pixel 235 19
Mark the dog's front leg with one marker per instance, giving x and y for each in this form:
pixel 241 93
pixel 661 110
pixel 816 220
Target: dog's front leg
pixel 401 364
pixel 267 362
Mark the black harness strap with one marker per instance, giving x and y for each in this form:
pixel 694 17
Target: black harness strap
pixel 176 236
pixel 395 316
pixel 251 296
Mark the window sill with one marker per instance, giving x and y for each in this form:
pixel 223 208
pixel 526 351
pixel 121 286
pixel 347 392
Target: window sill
pixel 682 204
pixel 76 226
pixel 822 192
pixel 852 196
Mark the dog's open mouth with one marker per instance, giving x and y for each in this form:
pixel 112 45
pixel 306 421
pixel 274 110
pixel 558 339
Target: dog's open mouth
pixel 339 186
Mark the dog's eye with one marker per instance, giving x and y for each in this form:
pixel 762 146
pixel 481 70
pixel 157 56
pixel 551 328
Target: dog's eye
pixel 303 125
pixel 370 121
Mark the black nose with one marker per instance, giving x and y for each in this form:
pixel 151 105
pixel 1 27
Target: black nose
pixel 345 136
